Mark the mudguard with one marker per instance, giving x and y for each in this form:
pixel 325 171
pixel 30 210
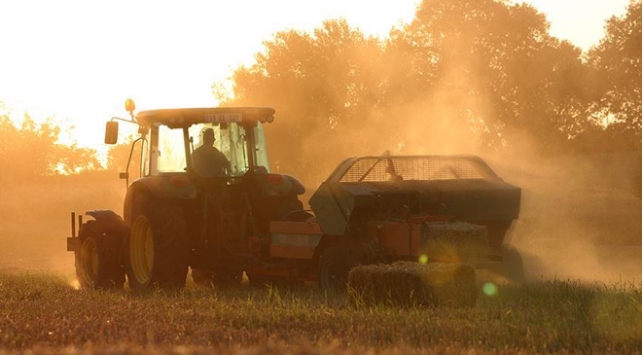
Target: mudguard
pixel 109 220
pixel 111 223
pixel 277 184
pixel 297 186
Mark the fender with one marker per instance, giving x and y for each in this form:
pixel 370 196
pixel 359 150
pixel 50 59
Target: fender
pixel 297 186
pixel 271 184
pixel 109 221
pixel 112 224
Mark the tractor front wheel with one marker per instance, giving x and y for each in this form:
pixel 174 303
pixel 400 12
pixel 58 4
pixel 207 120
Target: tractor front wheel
pixel 97 265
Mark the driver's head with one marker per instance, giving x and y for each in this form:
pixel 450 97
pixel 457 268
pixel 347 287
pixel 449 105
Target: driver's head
pixel 208 136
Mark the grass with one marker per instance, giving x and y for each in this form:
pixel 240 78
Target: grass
pixel 413 284
pixel 40 311
pixel 43 313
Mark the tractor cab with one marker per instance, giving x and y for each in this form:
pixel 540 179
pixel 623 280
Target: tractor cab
pixel 169 137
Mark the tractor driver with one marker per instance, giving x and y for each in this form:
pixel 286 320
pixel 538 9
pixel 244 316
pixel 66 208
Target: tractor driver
pixel 209 161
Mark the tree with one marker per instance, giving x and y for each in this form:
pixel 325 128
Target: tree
pixel 72 159
pixel 617 83
pixel 31 150
pixel 492 69
pixel 324 88
pixel 119 155
pixel 463 75
pixel 617 68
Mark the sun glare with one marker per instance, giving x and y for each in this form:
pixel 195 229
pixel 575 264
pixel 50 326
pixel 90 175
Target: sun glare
pixel 80 65
pixel 74 284
pixel 77 66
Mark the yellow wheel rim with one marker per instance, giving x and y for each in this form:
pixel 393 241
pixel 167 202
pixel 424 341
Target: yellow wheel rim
pixel 89 260
pixel 141 250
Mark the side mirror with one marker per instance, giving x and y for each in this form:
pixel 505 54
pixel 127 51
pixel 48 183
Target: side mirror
pixel 111 132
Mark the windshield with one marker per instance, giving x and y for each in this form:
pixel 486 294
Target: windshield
pixel 228 138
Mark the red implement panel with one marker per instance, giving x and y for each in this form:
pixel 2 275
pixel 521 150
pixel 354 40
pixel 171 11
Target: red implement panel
pixel 403 239
pixel 294 240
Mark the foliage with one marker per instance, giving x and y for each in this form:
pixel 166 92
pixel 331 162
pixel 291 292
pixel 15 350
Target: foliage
pixel 617 80
pixel 494 69
pixel 463 76
pixel 323 86
pixel 617 70
pixel 42 311
pixel 31 150
pixel 119 155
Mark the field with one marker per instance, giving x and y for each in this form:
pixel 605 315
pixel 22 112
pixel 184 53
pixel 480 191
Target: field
pixel 579 232
pixel 42 312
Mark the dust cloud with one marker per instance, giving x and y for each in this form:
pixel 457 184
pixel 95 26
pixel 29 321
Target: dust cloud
pixel 35 218
pixel 579 217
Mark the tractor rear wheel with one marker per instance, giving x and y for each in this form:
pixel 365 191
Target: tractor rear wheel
pixel 157 250
pixel 96 262
pixel 334 266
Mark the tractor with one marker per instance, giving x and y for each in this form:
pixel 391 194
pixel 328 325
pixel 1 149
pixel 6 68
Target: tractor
pixel 245 220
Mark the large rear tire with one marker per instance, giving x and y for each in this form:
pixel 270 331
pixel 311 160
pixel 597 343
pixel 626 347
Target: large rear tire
pixel 97 260
pixel 157 250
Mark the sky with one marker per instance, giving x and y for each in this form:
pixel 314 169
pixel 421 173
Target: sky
pixel 77 61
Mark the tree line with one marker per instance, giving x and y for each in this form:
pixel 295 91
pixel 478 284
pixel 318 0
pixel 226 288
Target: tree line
pixel 462 76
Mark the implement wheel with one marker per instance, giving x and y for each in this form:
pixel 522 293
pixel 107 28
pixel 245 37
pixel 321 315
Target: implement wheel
pixel 334 266
pixel 97 265
pixel 157 249
pixel 511 269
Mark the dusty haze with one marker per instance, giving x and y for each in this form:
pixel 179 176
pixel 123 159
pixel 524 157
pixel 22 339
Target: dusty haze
pixel 579 218
pixel 35 218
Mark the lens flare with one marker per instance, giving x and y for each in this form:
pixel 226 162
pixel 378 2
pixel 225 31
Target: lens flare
pixel 489 289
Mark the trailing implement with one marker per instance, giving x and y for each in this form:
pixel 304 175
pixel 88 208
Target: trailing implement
pixel 204 200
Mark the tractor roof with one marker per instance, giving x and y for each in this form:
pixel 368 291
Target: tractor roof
pixel 183 117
